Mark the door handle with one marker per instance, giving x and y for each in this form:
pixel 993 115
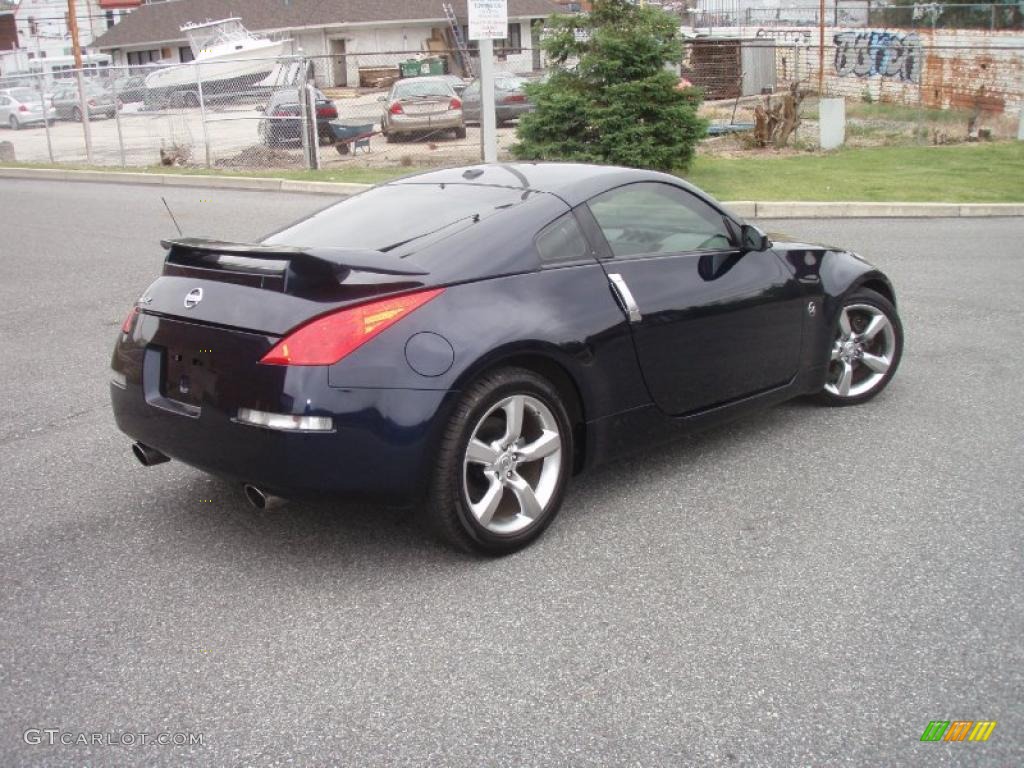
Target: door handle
pixel 625 297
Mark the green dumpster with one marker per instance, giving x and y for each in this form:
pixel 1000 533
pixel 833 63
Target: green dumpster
pixel 410 68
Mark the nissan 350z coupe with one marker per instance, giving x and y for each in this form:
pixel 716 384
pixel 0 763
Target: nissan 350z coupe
pixel 469 339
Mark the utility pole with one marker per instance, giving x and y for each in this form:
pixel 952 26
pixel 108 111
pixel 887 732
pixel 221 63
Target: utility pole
pixel 82 105
pixel 821 50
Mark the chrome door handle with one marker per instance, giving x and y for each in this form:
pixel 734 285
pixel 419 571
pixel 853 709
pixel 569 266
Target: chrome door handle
pixel 625 297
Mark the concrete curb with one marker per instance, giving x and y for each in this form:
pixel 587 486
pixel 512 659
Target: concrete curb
pixel 747 209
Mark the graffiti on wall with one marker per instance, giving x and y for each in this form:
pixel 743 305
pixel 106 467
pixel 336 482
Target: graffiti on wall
pixel 888 54
pixel 795 36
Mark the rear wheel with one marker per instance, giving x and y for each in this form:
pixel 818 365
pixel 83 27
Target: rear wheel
pixel 13 122
pixel 504 463
pixel 866 348
pixel 460 132
pixel 76 115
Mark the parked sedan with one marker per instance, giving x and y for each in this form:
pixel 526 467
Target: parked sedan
pixel 471 338
pixel 20 107
pixel 98 100
pixel 282 121
pixel 422 106
pixel 510 99
pixel 130 89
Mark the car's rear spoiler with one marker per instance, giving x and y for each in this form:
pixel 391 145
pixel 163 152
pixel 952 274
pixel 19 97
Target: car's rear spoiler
pixel 199 251
pixel 287 268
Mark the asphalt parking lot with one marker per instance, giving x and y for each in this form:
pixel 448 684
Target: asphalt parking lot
pixel 806 587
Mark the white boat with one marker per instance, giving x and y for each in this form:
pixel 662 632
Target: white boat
pixel 228 58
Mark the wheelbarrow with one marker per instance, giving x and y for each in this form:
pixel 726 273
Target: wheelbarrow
pixel 348 137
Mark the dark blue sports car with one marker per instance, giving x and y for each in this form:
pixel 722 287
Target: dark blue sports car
pixel 469 339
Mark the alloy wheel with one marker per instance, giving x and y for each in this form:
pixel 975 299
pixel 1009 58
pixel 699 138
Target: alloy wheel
pixel 862 352
pixel 512 464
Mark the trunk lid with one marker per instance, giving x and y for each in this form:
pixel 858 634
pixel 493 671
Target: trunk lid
pixel 270 289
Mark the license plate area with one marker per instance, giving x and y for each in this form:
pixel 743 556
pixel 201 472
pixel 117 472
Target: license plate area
pixel 424 109
pixel 187 375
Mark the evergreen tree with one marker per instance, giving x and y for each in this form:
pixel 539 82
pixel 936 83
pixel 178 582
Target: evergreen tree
pixel 610 97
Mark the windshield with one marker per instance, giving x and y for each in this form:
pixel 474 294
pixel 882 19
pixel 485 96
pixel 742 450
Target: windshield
pixel 422 88
pixel 386 217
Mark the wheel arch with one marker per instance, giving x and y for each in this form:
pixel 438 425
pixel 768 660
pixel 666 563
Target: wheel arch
pixel 880 285
pixel 545 363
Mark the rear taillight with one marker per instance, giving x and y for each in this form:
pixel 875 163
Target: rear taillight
pixel 22 108
pixel 515 98
pixel 129 321
pixel 454 104
pixel 328 339
pixel 326 111
pixel 395 109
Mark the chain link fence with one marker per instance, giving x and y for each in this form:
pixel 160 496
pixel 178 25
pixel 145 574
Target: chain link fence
pixel 395 109
pixel 391 108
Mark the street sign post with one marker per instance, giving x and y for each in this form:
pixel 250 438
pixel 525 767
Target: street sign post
pixel 488 21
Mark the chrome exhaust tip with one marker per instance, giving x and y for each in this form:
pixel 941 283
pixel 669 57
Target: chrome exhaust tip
pixel 148 457
pixel 260 499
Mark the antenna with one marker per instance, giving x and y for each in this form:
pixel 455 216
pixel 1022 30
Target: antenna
pixel 180 233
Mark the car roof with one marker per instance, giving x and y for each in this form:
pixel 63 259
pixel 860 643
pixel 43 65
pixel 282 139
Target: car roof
pixel 574 183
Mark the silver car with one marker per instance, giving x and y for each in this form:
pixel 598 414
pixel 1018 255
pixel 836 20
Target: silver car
pixel 510 99
pixel 424 106
pixel 22 106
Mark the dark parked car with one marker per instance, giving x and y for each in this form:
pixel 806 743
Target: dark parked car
pixel 282 121
pixel 471 338
pixel 510 99
pixel 99 100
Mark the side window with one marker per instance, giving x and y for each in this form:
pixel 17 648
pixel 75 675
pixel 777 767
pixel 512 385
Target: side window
pixel 651 218
pixel 562 241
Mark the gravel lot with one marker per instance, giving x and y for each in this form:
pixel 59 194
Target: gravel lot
pixel 806 587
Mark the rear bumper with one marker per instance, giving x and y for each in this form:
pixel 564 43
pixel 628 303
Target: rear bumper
pixel 415 123
pixel 381 445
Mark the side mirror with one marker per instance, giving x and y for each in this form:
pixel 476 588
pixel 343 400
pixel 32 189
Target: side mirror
pixel 753 239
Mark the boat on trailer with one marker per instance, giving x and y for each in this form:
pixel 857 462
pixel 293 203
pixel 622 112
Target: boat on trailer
pixel 227 59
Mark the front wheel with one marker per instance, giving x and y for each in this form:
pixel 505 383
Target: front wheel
pixel 866 349
pixel 504 463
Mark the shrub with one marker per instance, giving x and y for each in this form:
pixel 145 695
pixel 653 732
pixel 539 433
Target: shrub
pixel 610 97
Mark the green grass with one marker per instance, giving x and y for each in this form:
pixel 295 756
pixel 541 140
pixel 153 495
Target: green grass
pixel 963 173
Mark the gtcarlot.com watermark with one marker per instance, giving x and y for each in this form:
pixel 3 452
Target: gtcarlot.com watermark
pixel 56 736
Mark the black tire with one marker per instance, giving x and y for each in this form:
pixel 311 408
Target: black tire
pixel 341 147
pixel 460 133
pixel 13 122
pixel 76 115
pixel 864 297
pixel 447 513
pixel 391 137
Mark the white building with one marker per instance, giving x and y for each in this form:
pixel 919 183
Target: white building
pixel 43 31
pixel 350 35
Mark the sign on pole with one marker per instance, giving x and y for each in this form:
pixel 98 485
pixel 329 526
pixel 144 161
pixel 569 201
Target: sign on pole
pixel 488 19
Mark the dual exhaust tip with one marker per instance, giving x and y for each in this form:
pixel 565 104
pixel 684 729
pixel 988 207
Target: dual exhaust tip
pixel 256 496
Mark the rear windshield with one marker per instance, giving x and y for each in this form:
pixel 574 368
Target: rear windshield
pixel 386 218
pixel 24 95
pixel 423 88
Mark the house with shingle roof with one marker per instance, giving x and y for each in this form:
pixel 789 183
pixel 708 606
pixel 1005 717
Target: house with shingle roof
pixel 348 35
